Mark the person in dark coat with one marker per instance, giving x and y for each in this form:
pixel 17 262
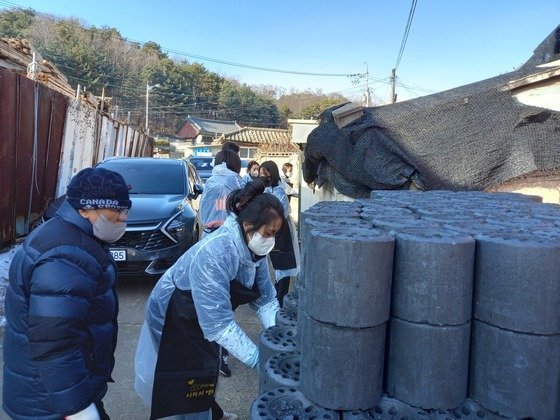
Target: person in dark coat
pixel 285 255
pixel 61 305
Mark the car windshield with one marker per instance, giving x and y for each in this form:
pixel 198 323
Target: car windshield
pixel 201 163
pixel 150 177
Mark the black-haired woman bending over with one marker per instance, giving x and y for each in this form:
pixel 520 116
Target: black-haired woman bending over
pixel 190 310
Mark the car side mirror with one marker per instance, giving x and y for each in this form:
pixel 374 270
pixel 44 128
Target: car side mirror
pixel 197 190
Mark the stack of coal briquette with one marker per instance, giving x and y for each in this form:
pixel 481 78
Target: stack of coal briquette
pixel 409 304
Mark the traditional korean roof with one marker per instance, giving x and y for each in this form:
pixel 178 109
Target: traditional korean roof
pixel 195 125
pixel 269 139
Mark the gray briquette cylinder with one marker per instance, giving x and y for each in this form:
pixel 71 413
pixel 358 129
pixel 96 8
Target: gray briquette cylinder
pixel 469 410
pixel 427 366
pixel 408 195
pixel 387 222
pixel 334 208
pixel 280 370
pixel 276 339
pixel 309 222
pixel 341 368
pixel 433 276
pixel 517 285
pixel 300 314
pixel 291 301
pixel 514 374
pixel 286 316
pixel 388 409
pixel 288 403
pixel 348 276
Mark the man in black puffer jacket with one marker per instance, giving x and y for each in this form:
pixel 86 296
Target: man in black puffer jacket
pixel 61 305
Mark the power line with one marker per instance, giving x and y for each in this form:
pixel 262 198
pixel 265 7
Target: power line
pixel 248 66
pixel 173 93
pixel 210 59
pixel 230 63
pixel 406 32
pixel 415 87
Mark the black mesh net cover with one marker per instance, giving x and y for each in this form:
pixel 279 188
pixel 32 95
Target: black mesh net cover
pixel 469 138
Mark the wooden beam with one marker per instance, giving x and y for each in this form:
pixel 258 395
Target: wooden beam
pixel 347 114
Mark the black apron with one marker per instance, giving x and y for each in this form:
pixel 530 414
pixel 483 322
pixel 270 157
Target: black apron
pixel 282 255
pixel 188 365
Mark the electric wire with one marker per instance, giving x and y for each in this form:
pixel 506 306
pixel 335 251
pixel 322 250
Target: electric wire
pixel 137 91
pixel 205 58
pixel 406 32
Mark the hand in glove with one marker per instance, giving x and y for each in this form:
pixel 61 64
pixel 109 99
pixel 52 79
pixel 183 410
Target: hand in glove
pixel 234 340
pixel 88 413
pixel 267 313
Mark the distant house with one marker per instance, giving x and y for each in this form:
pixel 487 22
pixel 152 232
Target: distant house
pixel 262 143
pixel 205 137
pixel 199 136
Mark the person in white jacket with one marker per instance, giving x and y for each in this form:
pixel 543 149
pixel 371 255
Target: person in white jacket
pixel 224 179
pixel 252 171
pixel 190 310
pixel 287 184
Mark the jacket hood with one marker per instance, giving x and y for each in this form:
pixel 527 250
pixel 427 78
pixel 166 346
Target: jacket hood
pixel 223 170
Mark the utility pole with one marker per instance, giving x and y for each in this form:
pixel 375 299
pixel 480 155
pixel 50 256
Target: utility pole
pixel 148 89
pixel 367 85
pixel 33 68
pixel 102 104
pixel 393 78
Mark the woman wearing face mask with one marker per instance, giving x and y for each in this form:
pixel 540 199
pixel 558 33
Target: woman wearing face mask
pixel 252 171
pixel 61 305
pixel 190 310
pixel 285 255
pixel 225 178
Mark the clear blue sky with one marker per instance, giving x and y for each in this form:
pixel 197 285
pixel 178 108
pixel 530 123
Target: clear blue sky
pixel 451 42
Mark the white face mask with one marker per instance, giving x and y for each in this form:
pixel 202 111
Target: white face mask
pixel 259 245
pixel 107 231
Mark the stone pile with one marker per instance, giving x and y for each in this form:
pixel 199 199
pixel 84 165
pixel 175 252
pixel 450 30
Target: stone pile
pixel 448 303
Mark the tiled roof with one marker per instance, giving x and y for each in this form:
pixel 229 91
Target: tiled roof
pixel 205 126
pixel 259 135
pixel 268 139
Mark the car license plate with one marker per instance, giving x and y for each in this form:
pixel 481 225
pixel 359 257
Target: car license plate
pixel 118 254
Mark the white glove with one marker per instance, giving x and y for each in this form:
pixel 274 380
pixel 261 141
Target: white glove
pixel 234 340
pixel 267 313
pixel 88 413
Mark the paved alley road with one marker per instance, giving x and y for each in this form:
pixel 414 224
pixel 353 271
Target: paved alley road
pixel 235 394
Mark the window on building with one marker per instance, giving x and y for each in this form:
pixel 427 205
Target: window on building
pixel 247 152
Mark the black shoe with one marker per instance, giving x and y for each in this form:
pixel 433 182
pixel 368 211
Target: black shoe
pixel 224 368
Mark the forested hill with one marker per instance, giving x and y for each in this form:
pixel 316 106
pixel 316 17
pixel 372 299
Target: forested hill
pixel 98 58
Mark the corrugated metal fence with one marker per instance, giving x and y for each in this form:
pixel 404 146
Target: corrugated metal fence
pixel 45 138
pixel 90 137
pixel 31 127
